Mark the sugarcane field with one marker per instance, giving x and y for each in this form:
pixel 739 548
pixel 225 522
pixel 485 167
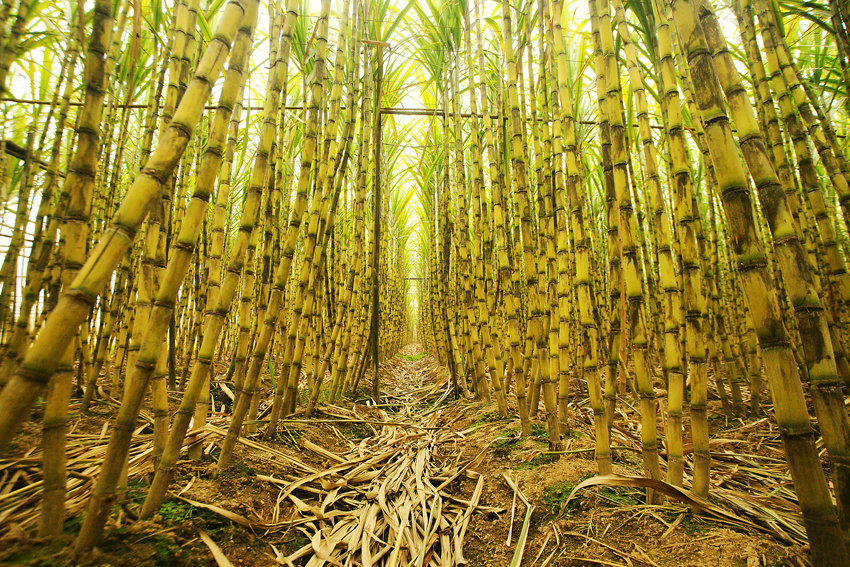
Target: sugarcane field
pixel 425 283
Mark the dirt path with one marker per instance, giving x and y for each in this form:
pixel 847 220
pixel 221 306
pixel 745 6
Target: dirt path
pixel 422 479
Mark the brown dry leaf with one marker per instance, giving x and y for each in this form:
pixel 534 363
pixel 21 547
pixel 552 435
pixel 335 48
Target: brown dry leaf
pixel 219 556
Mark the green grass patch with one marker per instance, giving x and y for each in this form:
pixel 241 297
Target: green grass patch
pixel 362 395
pixel 289 437
pixel 507 442
pixel 555 496
pixel 413 358
pixel 539 431
pixel 137 490
pixel 541 459
pixel 174 511
pixel 490 417
pixel 304 394
pixel 627 457
pixel 618 496
pixel 511 439
pixel 164 552
pixel 238 470
pixel 44 555
pixel 690 524
pixel 72 524
pixel 356 430
pixel 693 526
pixel 573 433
